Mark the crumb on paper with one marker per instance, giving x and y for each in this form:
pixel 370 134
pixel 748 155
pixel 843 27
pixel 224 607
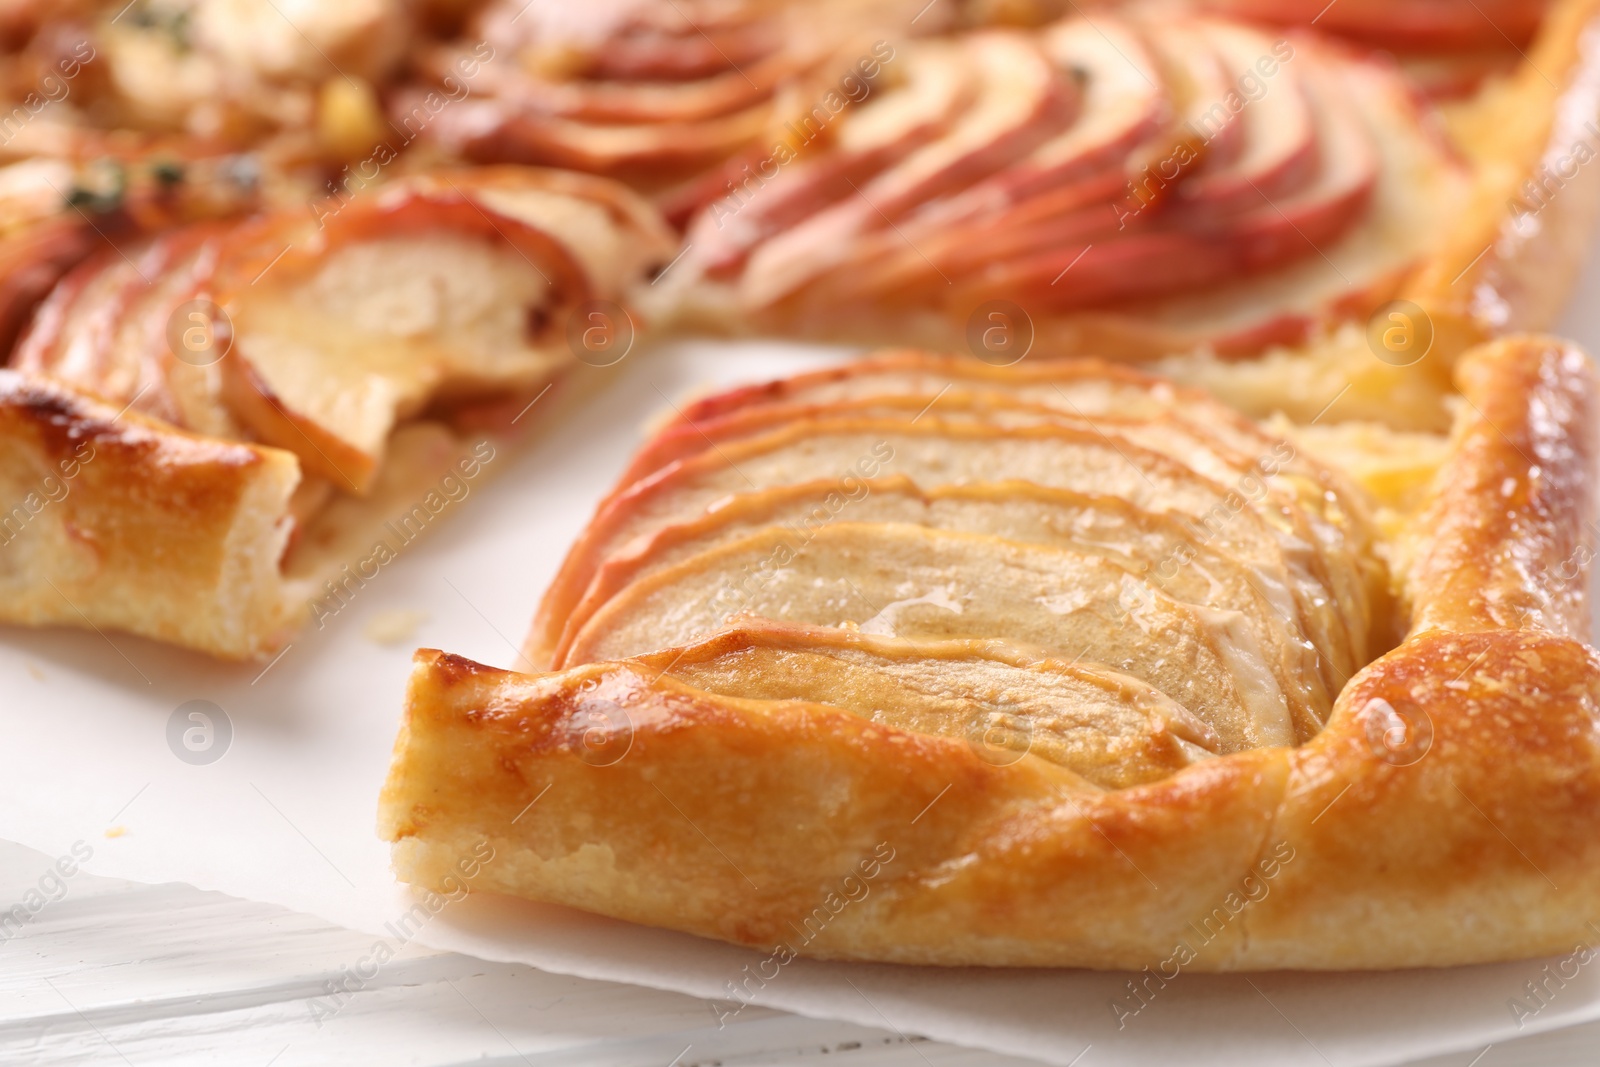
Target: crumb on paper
pixel 37 674
pixel 393 627
pixel 116 831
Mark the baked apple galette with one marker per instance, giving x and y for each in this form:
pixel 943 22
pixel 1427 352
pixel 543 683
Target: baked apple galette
pixel 207 428
pixel 1159 176
pixel 1244 546
pixel 1074 646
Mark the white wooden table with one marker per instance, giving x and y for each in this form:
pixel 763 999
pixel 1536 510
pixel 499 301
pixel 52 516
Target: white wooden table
pixel 115 972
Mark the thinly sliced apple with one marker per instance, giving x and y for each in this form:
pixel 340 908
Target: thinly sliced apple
pixel 1021 511
pixel 555 83
pixel 179 267
pixel 1216 442
pixel 891 124
pixel 1157 548
pixel 1020 101
pixel 1111 728
pixel 515 25
pixel 1426 25
pixel 1312 190
pixel 1420 190
pixel 105 332
pixel 1278 135
pixel 494 130
pixel 1195 248
pixel 441 287
pixel 1202 79
pixel 617 91
pixel 928 258
pixel 32 261
pixel 1084 388
pixel 622 103
pixel 930 453
pixel 915 583
pixel 331 351
pixel 1158 427
pixel 67 338
pixel 1196 77
pixel 695 48
pixel 916 371
pixel 1297 504
pixel 436 289
pixel 944 388
pixel 1125 101
pixel 616 235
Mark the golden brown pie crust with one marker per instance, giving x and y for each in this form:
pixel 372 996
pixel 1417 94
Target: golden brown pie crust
pixel 1447 814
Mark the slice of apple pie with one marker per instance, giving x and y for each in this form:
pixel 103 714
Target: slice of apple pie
pixel 206 429
pixel 1068 654
pixel 1155 177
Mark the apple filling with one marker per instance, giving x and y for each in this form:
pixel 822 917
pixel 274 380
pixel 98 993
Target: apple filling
pixel 362 359
pixel 1423 25
pixel 1214 181
pixel 654 93
pixel 1063 558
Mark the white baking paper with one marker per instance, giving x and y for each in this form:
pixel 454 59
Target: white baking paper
pixel 286 815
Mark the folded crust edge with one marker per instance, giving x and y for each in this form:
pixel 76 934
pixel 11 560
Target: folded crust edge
pixel 1446 815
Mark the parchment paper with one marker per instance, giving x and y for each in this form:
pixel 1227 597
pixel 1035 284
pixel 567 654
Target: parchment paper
pixel 286 814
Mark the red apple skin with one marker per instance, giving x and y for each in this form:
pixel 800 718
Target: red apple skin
pixel 758 195
pixel 655 94
pixel 31 262
pixel 1419 25
pixel 1019 91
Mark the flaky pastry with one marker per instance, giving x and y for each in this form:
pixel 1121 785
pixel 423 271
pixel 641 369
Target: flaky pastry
pixel 905 659
pixel 260 398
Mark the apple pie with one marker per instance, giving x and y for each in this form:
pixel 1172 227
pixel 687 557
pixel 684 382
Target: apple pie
pixel 207 430
pixel 1073 658
pixel 1151 179
pixel 1265 626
